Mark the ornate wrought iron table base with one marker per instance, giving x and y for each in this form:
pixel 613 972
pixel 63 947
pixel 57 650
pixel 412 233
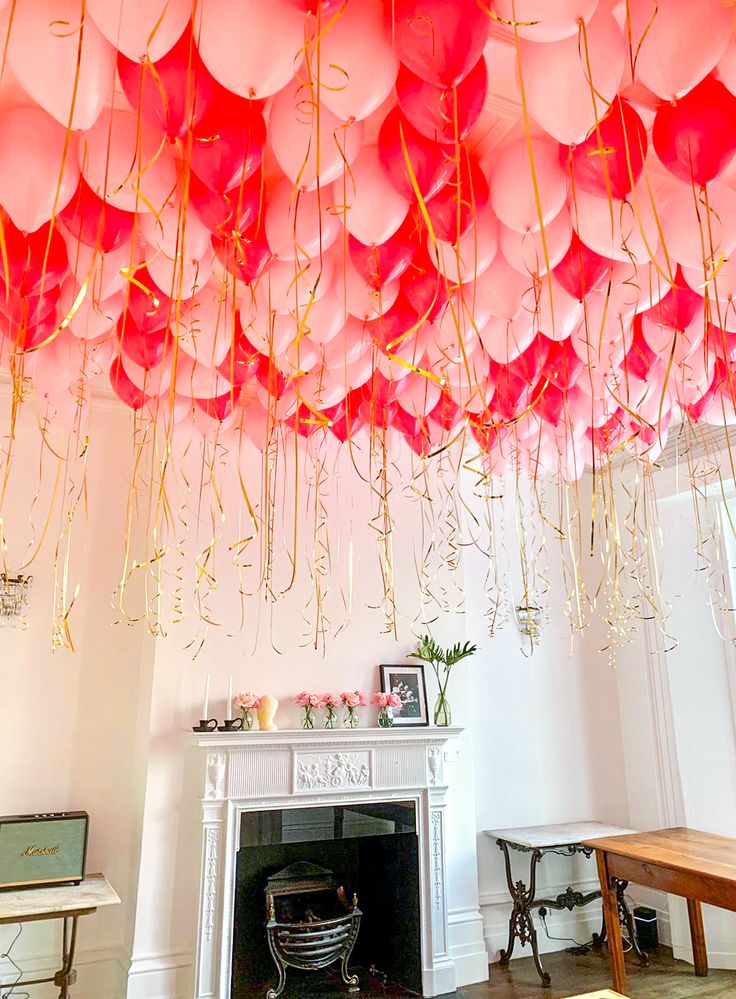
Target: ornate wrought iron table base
pixel 525 902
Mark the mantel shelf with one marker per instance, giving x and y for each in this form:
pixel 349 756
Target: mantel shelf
pixel 431 735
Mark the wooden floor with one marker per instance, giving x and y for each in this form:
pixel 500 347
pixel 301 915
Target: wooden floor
pixel 572 975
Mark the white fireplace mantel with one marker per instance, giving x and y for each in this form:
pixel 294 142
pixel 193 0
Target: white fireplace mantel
pixel 256 771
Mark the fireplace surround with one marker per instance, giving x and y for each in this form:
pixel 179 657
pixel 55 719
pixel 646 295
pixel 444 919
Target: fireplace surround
pixel 262 771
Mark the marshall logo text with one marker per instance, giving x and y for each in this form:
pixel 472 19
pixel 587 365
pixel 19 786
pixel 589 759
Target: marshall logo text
pixel 42 851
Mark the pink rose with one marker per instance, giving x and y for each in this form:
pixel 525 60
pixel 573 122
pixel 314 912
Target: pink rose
pixel 393 701
pixel 329 701
pixel 246 701
pixel 353 699
pixel 379 699
pixel 307 700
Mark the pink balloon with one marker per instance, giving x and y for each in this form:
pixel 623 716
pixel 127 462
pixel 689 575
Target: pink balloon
pixel 348 346
pixel 559 94
pixel 44 52
pixel 182 277
pixel 227 147
pixel 364 301
pixel 699 227
pixel 417 394
pixel 126 162
pixel 619 230
pixel 250 47
pixel 124 388
pixel 299 223
pixel 141 28
pixel 500 290
pixel 512 187
pixel 373 208
pixel 311 144
pixel 443 114
pixel 289 287
pixel 357 62
pixel 467 259
pixel 556 312
pixel 663 62
pixel 37 179
pixel 541 21
pixel 505 339
pixel 529 254
pixel 431 165
pixel 104 272
pixel 207 325
pixel 92 318
pixel 668 343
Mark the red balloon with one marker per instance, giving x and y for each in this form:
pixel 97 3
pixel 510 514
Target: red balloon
pixel 144 349
pixel 346 419
pixel 454 209
pixel 269 377
pixel 640 358
pixel 563 365
pixel 238 367
pixel 443 114
pixel 28 310
pixel 236 209
pixel 530 362
pixel 221 406
pixel 678 307
pixel 721 342
pixel 695 137
pixel 174 92
pixel 94 222
pixel 423 286
pixel 431 164
pixel 387 261
pixel 24 335
pixel 392 325
pixel 149 308
pixel 227 144
pixel 36 262
pixel 581 269
pixel 247 254
pixel 550 401
pixel 614 151
pixel 447 414
pixel 124 388
pixel 439 40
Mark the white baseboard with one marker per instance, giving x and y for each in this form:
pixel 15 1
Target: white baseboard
pixel 467 945
pixel 101 973
pixel 167 976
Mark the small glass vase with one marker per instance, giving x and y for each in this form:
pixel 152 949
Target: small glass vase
pixel 308 717
pixel 330 717
pixel 351 718
pixel 385 717
pixel 247 720
pixel 442 713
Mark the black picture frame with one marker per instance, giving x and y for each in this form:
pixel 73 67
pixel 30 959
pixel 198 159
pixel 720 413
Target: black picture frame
pixel 414 681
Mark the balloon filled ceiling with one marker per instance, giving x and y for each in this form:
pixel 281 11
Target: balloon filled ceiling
pixel 419 227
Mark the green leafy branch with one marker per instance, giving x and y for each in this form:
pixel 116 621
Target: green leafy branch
pixel 441 660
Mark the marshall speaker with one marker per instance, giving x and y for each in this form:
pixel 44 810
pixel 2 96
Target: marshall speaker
pixel 38 851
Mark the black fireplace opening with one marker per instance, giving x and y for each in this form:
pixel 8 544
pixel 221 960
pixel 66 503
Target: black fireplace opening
pixel 371 851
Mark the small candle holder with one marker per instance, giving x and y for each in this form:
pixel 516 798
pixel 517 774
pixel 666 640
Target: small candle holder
pixel 231 725
pixel 205 725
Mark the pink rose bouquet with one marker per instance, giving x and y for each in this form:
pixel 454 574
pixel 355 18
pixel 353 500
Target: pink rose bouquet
pixel 309 702
pixel 353 700
pixel 246 703
pixel 330 702
pixel 386 704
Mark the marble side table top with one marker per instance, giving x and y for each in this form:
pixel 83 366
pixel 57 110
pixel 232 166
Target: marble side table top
pixel 563 834
pixel 49 903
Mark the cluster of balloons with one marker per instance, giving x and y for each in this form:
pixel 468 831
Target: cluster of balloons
pixel 256 212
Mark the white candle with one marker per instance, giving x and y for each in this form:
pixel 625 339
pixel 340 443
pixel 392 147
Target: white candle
pixel 229 712
pixel 206 702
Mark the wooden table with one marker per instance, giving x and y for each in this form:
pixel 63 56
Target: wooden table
pixel 565 839
pixel 698 866
pixel 63 902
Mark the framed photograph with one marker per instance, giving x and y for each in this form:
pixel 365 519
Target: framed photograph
pixel 409 683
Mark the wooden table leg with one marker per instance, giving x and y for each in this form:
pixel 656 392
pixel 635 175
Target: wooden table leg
pixel 613 924
pixel 697 935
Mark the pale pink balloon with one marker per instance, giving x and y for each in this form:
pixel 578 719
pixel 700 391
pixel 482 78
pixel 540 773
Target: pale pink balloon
pixel 152 381
pixel 206 324
pixel 324 318
pixel 504 339
pixel 512 185
pixel 536 253
pixel 44 52
pixel 289 287
pixel 358 371
pixel 691 378
pixel 410 351
pixel 361 299
pixel 65 412
pixel 250 47
pixel 83 358
pixel 677 42
pixel 141 28
pixel 473 253
pixel 349 345
pixel 197 380
pixel 301 356
pixel 556 313
pixel 469 385
pixel 453 339
pixel 322 389
pixel 499 292
pixel 602 340
pixel 560 95
pixel 92 317
pixel 128 162
pixel 417 394
pixel 726 68
pixel 369 204
pixel 256 423
pixel 310 143
pixel 542 21
pixel 105 273
pixel 50 377
pixel 38 170
pixel 699 226
pixel 270 332
pixel 299 223
pixel 720 411
pixel 181 278
pixel 176 230
pixel 621 230
pixel 675 344
pixel 358 66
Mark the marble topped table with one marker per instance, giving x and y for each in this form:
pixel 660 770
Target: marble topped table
pixel 67 902
pixel 566 839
